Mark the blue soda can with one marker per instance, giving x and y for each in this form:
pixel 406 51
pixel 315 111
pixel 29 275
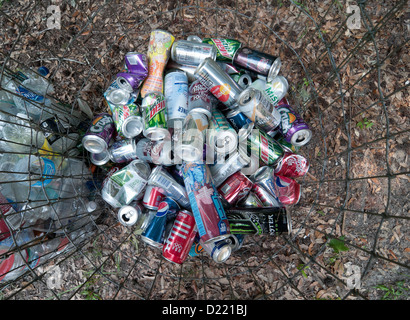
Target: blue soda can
pixel 237 119
pixel 154 234
pixel 176 96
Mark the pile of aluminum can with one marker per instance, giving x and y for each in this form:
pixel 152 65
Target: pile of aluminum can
pixel 199 145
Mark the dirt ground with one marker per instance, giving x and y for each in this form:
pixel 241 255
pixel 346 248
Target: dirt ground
pixel 350 236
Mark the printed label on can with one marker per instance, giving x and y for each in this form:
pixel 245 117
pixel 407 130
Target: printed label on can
pixel 288 118
pixel 163 208
pixel 29 94
pixel 156 109
pixel 176 95
pixel 222 92
pixel 226 48
pixel 128 178
pixel 100 123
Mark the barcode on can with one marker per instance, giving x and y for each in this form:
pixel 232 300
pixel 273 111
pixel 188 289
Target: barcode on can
pixel 163 182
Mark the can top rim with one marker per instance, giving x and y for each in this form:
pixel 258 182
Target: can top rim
pixel 100 158
pixel 307 133
pixel 133 133
pixel 245 131
pixel 274 69
pixel 99 148
pixel 133 215
pixel 247 94
pixel 147 168
pixel 262 173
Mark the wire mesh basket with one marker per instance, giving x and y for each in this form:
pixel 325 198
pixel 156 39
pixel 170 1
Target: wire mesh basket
pixel 347 68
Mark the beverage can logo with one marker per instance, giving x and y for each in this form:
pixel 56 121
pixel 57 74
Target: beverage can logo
pixel 156 109
pixel 283 182
pixel 287 118
pixel 264 148
pixel 99 123
pixel 221 92
pixel 221 48
pixel 163 208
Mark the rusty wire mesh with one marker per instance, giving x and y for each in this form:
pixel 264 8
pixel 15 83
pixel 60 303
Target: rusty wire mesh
pixel 350 85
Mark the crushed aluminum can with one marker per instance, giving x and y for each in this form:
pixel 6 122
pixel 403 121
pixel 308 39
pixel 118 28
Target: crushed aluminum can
pixel 288 190
pixel 161 178
pixel 292 165
pixel 235 188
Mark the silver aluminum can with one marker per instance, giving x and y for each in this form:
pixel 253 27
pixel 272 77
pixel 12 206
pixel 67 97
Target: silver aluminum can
pixel 251 201
pixel 123 151
pixel 192 52
pixel 219 251
pixel 132 126
pixel 126 184
pixel 189 142
pixel 129 215
pixel 222 136
pixel 176 96
pixel 245 80
pixel 258 109
pixel 221 85
pixel 264 177
pixel 161 178
pixel 221 171
pixel 189 70
pixel 101 158
pixel 235 241
pixel 119 96
pixel 200 98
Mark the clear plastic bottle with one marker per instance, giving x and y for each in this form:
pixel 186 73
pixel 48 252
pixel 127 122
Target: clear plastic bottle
pixel 35 171
pixel 19 136
pixel 31 86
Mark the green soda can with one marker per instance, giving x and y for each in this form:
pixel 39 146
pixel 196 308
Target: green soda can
pixel 287 145
pixel 263 145
pixel 226 48
pixel 154 114
pixel 127 119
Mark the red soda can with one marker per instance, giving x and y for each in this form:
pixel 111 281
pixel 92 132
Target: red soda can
pixel 287 190
pixel 180 238
pixel 292 165
pixel 235 188
pixel 152 197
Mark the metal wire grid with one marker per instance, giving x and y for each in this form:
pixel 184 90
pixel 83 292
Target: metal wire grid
pixel 318 86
